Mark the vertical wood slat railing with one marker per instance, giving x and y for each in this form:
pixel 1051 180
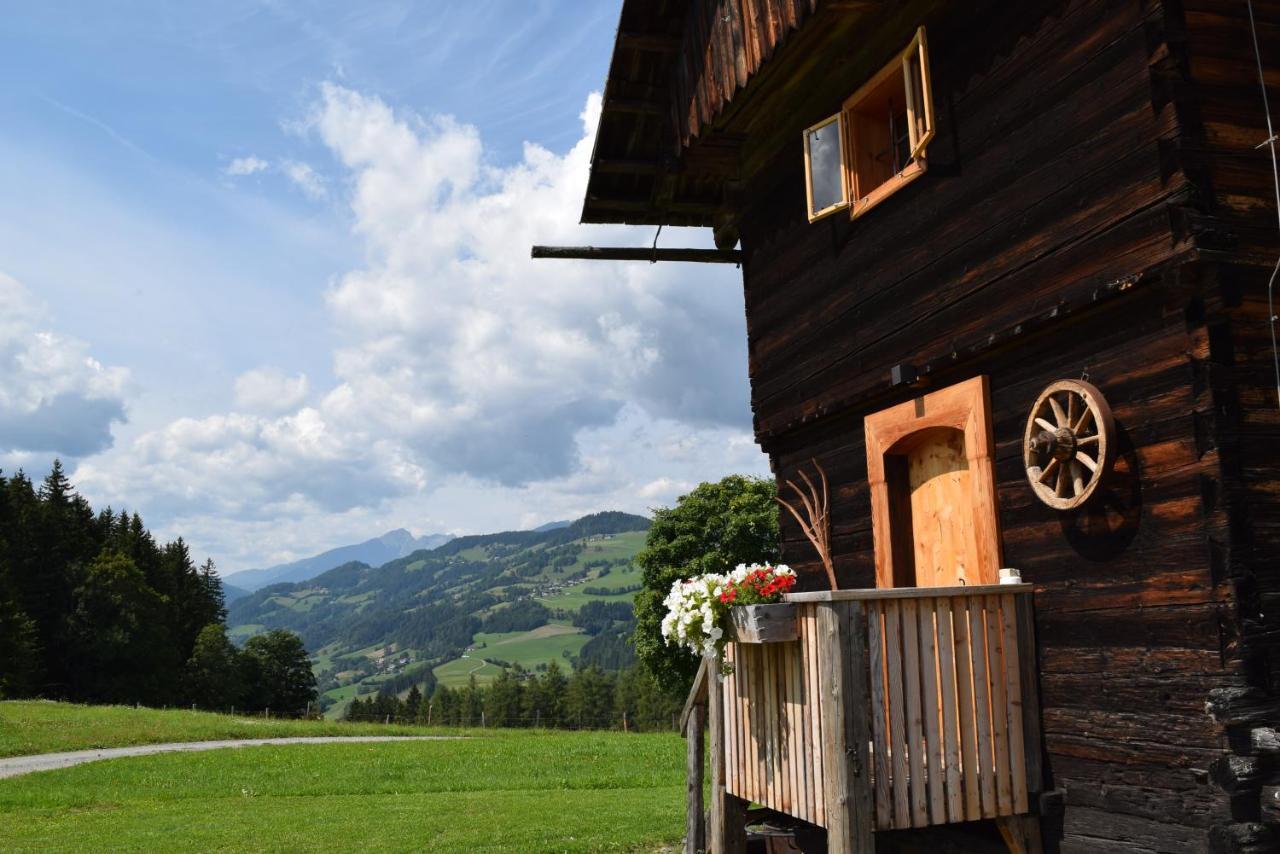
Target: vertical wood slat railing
pixel 894 709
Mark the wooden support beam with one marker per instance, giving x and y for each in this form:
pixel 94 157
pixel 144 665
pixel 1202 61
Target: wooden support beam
pixel 727 828
pixel 628 253
pixel 846 726
pixel 697 696
pixel 1021 833
pixel 695 836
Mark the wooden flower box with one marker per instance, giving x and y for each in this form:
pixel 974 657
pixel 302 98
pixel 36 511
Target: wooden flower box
pixel 774 623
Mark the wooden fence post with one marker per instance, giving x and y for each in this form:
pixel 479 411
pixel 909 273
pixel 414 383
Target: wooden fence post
pixel 845 712
pixel 695 826
pixel 728 830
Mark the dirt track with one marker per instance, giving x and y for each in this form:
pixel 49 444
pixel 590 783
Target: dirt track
pixel 15 766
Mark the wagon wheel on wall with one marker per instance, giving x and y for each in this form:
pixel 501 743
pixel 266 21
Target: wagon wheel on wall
pixel 1069 444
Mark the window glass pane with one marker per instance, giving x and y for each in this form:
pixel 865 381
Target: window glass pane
pixel 825 173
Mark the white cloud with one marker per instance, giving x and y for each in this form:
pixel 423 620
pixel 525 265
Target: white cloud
pixel 310 182
pixel 269 391
pixel 485 361
pixel 55 398
pixel 242 166
pixel 472 384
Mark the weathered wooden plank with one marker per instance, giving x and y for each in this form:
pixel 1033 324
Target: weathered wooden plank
pixel 932 711
pixel 727 827
pixel 1030 690
pixel 950 711
pixel 967 728
pixel 982 707
pixel 695 827
pixel 773 749
pixel 804 703
pixel 846 726
pixel 732 721
pixel 753 709
pixel 914 742
pixel 910 593
pixel 999 705
pixel 897 715
pixel 879 714
pixel 797 744
pixel 1013 694
pixel 817 757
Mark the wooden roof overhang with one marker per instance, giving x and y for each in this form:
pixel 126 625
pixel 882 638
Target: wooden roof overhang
pixel 701 92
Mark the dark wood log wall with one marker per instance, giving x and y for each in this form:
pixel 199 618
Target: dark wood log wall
pixel 1086 209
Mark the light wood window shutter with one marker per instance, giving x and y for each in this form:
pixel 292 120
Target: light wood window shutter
pixel 826 179
pixel 915 71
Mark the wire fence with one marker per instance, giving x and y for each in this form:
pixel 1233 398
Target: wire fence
pixel 483 720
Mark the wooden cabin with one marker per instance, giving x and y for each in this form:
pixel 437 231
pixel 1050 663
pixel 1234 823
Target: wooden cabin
pixel 966 230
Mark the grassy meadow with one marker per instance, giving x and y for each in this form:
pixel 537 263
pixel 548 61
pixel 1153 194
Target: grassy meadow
pixel 509 790
pixel 529 649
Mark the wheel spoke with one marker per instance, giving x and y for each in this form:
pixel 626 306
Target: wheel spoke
pixel 1077 478
pixel 1085 418
pixel 1058 414
pixel 1049 469
pixel 1060 488
pixel 1046 425
pixel 1071 408
pixel 1088 440
pixel 1087 460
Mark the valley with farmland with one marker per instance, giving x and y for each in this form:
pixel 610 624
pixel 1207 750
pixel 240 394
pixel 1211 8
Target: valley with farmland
pixel 466 610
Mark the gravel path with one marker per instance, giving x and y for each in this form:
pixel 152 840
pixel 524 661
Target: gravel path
pixel 17 765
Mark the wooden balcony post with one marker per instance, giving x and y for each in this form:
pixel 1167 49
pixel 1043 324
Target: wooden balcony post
pixel 846 730
pixel 728 828
pixel 695 825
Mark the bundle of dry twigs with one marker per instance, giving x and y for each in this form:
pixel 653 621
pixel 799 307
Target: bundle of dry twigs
pixel 817 525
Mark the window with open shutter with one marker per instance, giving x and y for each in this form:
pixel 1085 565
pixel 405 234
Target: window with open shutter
pixel 877 143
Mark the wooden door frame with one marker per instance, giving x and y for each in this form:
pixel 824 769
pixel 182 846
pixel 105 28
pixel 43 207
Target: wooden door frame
pixel 965 406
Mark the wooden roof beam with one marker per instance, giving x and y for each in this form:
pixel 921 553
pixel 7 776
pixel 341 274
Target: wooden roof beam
pixel 650 42
pixel 634 105
pixel 627 166
pixel 638 253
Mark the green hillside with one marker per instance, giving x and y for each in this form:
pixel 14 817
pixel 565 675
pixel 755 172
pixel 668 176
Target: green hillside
pixel 471 606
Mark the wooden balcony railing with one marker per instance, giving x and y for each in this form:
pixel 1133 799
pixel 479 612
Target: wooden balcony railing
pixel 897 708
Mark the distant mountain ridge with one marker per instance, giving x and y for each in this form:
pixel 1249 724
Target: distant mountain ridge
pixel 375 552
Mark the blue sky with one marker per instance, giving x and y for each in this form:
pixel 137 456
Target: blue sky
pixel 264 268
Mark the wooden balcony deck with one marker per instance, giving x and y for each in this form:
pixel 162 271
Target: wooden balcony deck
pixel 894 709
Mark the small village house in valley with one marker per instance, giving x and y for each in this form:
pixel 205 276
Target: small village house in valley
pixel 1006 282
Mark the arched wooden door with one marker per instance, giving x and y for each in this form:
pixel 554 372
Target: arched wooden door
pixel 933 504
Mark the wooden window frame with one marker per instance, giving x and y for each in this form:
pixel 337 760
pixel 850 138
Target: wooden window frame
pixel 918 48
pixel 838 121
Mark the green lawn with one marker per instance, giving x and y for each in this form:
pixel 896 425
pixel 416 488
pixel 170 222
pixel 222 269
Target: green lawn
pixel 542 645
pixel 39 726
pixel 503 791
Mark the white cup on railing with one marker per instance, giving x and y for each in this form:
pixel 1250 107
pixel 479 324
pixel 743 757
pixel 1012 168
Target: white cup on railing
pixel 1010 576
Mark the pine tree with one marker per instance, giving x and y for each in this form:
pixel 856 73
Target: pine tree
pixel 589 699
pixel 412 702
pixel 502 700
